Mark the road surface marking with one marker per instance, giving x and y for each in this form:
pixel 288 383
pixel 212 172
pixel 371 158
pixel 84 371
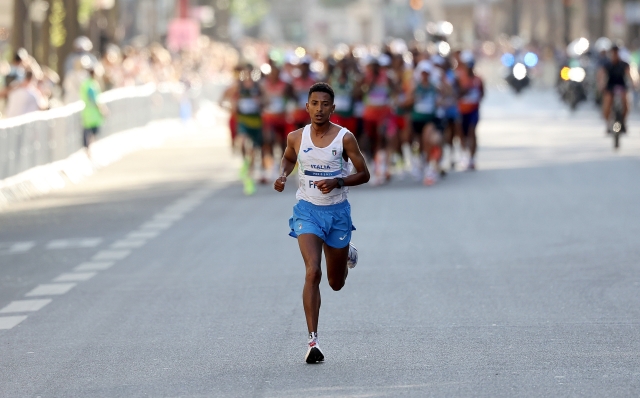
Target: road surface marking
pixel 134 239
pixel 8 322
pixel 111 255
pixel 167 217
pixel 75 277
pixel 16 247
pixel 143 234
pixel 94 266
pixel 188 203
pixel 156 225
pixel 128 244
pixel 74 243
pixel 51 289
pixel 25 305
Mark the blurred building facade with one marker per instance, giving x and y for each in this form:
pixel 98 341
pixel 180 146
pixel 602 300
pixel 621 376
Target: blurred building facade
pixel 46 28
pixel 545 22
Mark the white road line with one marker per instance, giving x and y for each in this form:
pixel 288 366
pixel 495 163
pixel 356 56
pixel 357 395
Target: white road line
pixel 186 202
pixel 167 217
pixel 128 244
pixel 156 225
pixel 94 266
pixel 8 322
pixel 25 306
pixel 16 247
pixel 74 243
pixel 75 277
pixel 143 234
pixel 111 255
pixel 51 289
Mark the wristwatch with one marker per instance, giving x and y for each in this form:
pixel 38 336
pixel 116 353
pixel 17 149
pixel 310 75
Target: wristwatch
pixel 340 182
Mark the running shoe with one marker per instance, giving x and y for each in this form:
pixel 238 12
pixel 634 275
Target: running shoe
pixel 353 256
pixel 249 186
pixel 430 177
pixel 471 165
pixel 314 354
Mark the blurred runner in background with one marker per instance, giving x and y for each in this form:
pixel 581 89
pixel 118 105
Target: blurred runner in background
pixel 276 93
pixel 249 108
pixel 452 122
pixel 346 89
pixel 424 98
pixel 472 92
pixel 377 89
pixel 302 82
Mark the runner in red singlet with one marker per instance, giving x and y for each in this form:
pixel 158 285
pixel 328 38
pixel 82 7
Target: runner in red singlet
pixel 377 89
pixel 276 93
pixel 301 85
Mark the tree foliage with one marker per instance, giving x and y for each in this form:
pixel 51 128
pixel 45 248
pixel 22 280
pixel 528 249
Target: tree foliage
pixel 249 12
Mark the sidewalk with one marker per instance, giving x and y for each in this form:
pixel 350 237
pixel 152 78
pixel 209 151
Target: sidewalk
pixel 207 131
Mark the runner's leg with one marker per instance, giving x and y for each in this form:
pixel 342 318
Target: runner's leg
pixel 337 269
pixel 473 141
pixel 311 250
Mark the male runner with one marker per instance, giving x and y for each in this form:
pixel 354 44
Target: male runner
pixel 423 120
pixel 377 89
pixel 249 121
pixel 276 93
pixel 322 217
pixel 345 88
pixel 472 91
pixel 301 85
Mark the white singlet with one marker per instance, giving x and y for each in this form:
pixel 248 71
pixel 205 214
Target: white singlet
pixel 315 164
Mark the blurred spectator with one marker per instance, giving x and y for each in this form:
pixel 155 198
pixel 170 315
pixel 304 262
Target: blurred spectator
pixel 25 97
pixel 93 112
pixel 74 79
pixel 17 71
pixel 81 48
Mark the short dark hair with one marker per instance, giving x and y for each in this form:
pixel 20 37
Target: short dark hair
pixel 322 88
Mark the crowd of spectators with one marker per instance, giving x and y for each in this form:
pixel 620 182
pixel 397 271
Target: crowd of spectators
pixel 28 86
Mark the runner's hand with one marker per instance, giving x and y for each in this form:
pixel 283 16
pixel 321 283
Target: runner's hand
pixel 326 186
pixel 279 184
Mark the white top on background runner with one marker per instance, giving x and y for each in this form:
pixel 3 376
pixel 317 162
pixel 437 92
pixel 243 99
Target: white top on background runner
pixel 315 164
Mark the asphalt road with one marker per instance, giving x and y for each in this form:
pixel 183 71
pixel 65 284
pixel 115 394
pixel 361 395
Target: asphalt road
pixel 157 277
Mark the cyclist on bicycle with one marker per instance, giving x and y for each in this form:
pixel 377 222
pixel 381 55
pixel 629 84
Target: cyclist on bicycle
pixel 616 76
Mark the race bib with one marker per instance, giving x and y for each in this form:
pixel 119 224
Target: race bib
pixel 377 97
pixel 308 183
pixel 426 105
pixel 248 106
pixel 276 105
pixel 472 97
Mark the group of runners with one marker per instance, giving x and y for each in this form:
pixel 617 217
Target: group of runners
pixel 412 113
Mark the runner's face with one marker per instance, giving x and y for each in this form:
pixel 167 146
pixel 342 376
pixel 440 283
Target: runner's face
pixel 320 107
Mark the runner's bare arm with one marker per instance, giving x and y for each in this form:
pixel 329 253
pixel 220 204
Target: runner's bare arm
pixel 289 159
pixel 352 150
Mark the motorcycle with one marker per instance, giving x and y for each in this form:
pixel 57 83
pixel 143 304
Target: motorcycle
pixel 518 69
pixel 572 86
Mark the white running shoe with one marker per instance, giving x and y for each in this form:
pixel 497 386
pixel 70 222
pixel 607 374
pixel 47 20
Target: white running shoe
pixel 314 354
pixel 353 256
pixel 430 176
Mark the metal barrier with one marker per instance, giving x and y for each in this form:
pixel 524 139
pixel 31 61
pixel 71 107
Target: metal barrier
pixel 39 138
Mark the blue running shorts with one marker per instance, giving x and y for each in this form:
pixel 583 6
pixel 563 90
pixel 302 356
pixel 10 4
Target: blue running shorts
pixel 330 223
